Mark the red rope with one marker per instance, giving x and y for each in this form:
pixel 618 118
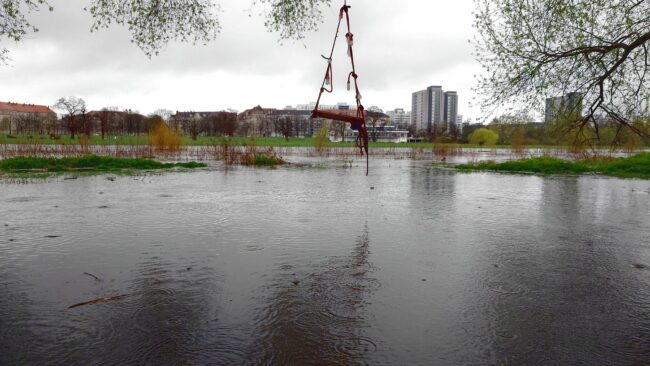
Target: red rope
pixel 362 137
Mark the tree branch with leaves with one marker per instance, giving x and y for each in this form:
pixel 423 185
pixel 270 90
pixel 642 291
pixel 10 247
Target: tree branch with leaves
pixel 155 23
pixel 534 49
pixel 14 24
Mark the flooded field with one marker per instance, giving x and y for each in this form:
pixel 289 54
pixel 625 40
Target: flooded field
pixel 411 265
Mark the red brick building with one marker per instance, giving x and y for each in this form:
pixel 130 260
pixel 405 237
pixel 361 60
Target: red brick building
pixel 27 118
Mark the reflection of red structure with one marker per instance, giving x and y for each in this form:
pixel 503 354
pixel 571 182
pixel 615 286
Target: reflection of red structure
pixel 357 117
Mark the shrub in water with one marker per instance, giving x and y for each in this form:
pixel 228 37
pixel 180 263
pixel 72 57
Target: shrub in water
pixel 164 138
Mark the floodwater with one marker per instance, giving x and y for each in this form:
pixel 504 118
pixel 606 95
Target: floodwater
pixel 412 265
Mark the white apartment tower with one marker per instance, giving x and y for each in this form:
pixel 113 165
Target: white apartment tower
pixel 428 108
pixel 420 116
pixel 436 106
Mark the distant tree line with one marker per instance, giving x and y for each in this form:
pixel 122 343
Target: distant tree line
pixel 515 131
pixel 518 129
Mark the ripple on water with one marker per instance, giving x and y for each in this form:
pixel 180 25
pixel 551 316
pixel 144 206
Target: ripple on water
pixel 505 288
pixel 356 347
pixel 253 248
pixel 22 199
pixel 312 319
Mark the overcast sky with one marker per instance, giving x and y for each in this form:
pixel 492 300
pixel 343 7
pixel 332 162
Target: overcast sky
pixel 400 47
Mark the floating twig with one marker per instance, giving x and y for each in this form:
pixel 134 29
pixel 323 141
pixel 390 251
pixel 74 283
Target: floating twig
pixel 92 275
pixel 99 301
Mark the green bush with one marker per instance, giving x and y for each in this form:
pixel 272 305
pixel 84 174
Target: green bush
pixel 483 137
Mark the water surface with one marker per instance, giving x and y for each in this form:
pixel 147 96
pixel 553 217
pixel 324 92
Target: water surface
pixel 410 265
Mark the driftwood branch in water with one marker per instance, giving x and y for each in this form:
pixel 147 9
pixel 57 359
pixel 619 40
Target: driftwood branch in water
pixel 92 275
pixel 100 300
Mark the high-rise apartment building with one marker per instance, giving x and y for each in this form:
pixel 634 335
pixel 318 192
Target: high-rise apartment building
pixel 451 110
pixel 428 109
pixel 436 106
pixel 420 112
pixel 565 107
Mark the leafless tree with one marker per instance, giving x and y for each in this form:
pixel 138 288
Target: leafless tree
pixel 339 128
pixel 226 123
pixel 376 122
pixel 285 126
pixel 165 114
pixel 73 108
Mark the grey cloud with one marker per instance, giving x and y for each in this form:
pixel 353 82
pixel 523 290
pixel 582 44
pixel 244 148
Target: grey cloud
pixel 399 49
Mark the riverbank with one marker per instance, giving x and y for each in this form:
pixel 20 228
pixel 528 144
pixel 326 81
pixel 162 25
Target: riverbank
pixel 636 166
pixel 90 163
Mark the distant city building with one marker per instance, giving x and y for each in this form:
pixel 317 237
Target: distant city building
pixel 428 108
pixel 258 121
pixel 436 106
pixel 563 108
pixel 451 110
pixel 306 107
pixel 310 107
pixel 420 112
pixel 379 129
pixel 300 119
pixel 400 118
pixel 12 115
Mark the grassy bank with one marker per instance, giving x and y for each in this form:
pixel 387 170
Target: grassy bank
pixel 90 163
pixel 637 166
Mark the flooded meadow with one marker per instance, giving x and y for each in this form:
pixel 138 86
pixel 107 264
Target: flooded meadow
pixel 316 263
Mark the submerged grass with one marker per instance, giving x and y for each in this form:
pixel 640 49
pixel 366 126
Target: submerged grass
pixel 87 163
pixel 637 166
pixel 267 160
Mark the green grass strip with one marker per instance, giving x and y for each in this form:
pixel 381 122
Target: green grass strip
pixel 637 166
pixel 88 163
pixel 143 140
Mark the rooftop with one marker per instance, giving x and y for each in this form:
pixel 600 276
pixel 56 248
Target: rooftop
pixel 24 108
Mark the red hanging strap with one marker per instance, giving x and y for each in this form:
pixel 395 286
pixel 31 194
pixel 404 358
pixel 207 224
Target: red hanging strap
pixel 359 122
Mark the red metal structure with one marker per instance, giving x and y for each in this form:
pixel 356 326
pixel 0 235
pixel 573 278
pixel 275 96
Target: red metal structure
pixel 356 118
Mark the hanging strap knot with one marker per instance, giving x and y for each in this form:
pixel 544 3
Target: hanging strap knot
pixel 328 73
pixel 350 38
pixel 344 10
pixel 352 75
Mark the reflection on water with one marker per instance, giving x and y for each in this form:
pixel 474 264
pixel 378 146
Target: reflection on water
pixel 316 311
pixel 313 266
